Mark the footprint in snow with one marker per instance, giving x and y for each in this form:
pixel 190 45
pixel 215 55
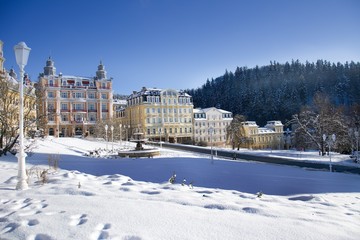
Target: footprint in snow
pixel 78 219
pixel 101 232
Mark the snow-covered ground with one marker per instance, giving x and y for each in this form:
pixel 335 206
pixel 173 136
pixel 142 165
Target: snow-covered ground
pixel 106 198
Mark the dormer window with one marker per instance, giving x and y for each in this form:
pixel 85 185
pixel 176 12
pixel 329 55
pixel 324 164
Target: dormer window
pixel 78 84
pixel 51 83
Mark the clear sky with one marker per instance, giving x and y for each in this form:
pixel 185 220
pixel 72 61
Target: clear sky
pixel 176 43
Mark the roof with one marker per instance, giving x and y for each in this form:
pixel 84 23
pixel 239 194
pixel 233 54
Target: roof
pixel 157 92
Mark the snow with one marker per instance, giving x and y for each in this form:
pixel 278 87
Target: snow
pixel 120 198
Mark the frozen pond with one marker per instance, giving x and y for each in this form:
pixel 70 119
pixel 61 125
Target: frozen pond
pixel 247 177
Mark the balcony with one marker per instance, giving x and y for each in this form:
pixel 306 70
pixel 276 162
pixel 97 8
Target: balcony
pixel 51 85
pixel 79 110
pixel 105 110
pixel 65 110
pixel 92 110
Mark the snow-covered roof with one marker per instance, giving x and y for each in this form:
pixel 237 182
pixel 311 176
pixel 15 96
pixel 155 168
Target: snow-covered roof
pixel 119 101
pixel 157 92
pixel 216 109
pixel 250 123
pixel 274 123
pixel 263 130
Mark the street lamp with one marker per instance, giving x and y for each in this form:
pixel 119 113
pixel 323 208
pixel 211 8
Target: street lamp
pixel 106 140
pixel 211 132
pixel 329 142
pixel 160 137
pixel 21 54
pixel 112 138
pixel 120 133
pixel 127 134
pixel 357 145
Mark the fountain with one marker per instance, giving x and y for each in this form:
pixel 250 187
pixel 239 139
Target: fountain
pixel 139 150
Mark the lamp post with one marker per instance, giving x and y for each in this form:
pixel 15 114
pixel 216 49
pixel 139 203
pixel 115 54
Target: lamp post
pixel 357 145
pixel 120 125
pixel 160 137
pixel 127 135
pixel 21 54
pixel 211 132
pixel 330 142
pixel 106 140
pixel 112 138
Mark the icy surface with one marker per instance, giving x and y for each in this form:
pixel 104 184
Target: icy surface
pixel 104 198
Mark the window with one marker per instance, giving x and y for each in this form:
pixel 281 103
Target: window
pixel 78 117
pixel 104 106
pixel 51 106
pixel 79 106
pixel 79 95
pixel 104 115
pixel 64 106
pixel 103 96
pixel 64 118
pixel 92 106
pixel 51 83
pixel 92 95
pixel 50 94
pixel 78 84
pixel 64 94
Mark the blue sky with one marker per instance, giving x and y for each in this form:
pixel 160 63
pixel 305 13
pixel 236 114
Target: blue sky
pixel 176 43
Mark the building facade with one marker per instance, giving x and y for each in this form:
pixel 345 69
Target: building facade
pixel 73 104
pixel 269 136
pixel 164 114
pixel 9 101
pixel 210 126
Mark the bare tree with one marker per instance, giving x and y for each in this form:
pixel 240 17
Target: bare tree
pixel 9 113
pixel 235 132
pixel 311 123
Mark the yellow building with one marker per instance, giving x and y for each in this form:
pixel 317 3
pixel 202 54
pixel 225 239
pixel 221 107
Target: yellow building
pixel 9 99
pixel 159 113
pixel 74 104
pixel 270 136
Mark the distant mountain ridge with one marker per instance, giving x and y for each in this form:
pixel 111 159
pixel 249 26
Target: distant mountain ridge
pixel 277 91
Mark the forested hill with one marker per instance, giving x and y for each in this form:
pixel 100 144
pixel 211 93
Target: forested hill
pixel 277 91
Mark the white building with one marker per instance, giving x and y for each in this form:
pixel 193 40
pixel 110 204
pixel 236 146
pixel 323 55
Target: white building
pixel 210 125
